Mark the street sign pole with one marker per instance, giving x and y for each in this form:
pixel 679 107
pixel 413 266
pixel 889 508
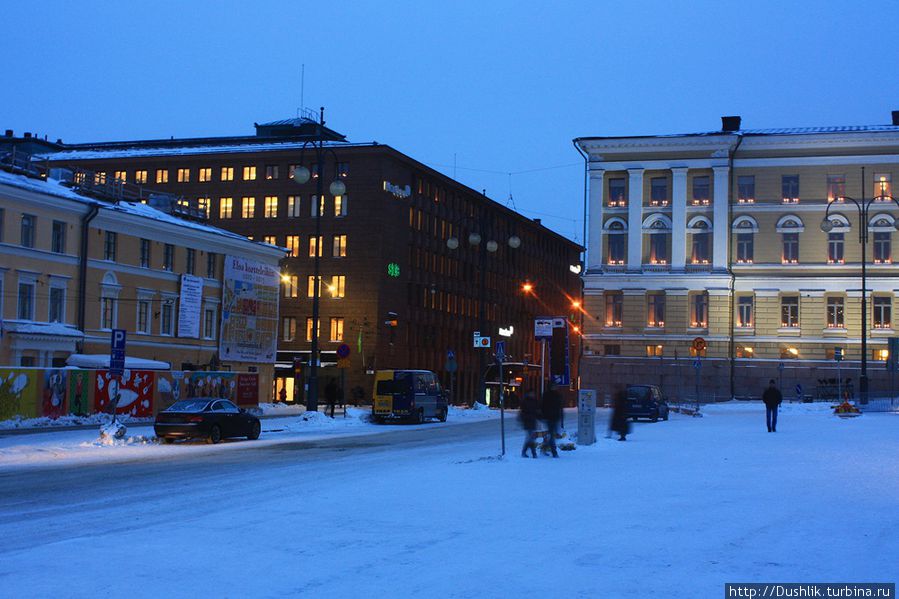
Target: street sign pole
pixel 500 358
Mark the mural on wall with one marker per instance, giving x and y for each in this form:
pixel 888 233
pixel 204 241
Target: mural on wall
pixel 168 384
pixel 18 393
pixel 79 384
pixel 240 388
pixel 135 392
pixel 53 401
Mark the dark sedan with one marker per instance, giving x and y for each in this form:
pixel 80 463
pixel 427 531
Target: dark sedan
pixel 206 418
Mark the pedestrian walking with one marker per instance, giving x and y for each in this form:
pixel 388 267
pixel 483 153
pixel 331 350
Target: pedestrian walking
pixel 331 392
pixel 552 414
pixel 772 398
pixel 282 394
pixel 619 423
pixel 528 417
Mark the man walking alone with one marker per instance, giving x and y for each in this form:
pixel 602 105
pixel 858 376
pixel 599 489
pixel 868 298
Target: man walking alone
pixel 772 399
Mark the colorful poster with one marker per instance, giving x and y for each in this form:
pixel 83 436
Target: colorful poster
pixel 18 392
pixel 79 384
pixel 189 305
pixel 135 391
pixel 249 311
pixel 168 386
pixel 53 404
pixel 247 389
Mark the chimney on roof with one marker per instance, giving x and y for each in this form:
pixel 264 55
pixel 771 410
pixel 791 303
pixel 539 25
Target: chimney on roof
pixel 730 123
pixel 59 140
pixel 9 133
pixel 27 135
pixel 896 117
pixel 538 221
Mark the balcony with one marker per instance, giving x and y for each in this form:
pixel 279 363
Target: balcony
pixel 703 266
pixel 656 267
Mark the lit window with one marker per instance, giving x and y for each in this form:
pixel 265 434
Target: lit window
pixel 291 286
pixel 227 173
pixel 288 328
pixel 338 246
pixel 315 242
pixel 140 177
pixel 271 171
pixel 883 312
pixel 836 188
pixel 204 205
pixel 883 185
pixel 789 311
pixel 183 175
pixel 790 248
pixel 835 247
pixel 343 169
pixel 744 312
pixel 745 248
pixel 249 207
pixel 617 193
pixel 882 249
pixel 271 206
pixel 337 329
pixel 654 351
pixel 225 207
pixel 835 312
pixel 340 204
pixel 121 176
pixel 249 173
pixel 701 191
pixel 100 178
pixel 205 174
pixel 789 186
pixel 614 309
pixel 746 189
pixel 882 355
pixel 162 175
pixel 616 241
pixel 270 239
pixel 699 310
pixel 309 329
pixel 293 245
pixel 293 206
pixel 310 286
pixel 655 310
pixel 337 288
pixel 317 204
pixel 658 191
pixel 789 353
pixel 745 351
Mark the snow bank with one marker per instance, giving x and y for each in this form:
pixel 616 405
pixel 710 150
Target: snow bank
pixel 45 422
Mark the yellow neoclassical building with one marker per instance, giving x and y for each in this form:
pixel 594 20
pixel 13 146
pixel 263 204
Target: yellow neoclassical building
pixel 719 236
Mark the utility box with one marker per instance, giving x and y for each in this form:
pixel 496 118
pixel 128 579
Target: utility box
pixel 586 417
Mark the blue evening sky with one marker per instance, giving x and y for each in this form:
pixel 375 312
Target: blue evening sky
pixel 497 87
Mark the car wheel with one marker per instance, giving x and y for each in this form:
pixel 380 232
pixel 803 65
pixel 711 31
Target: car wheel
pixel 255 429
pixel 443 413
pixel 215 434
pixel 168 440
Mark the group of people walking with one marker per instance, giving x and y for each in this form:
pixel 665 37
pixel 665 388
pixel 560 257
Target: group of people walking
pixel 548 409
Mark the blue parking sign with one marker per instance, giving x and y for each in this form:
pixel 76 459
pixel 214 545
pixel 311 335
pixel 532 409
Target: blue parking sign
pixel 117 352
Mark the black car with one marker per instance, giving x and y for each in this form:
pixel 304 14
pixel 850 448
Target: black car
pixel 646 401
pixel 206 418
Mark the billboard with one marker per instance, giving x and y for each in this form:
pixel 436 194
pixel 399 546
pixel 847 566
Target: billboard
pixel 249 311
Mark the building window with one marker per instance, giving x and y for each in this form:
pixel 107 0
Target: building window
pixel 168 257
pixel 744 351
pixel 701 248
pixel 271 171
pixel 337 329
pixel 107 313
pixel 789 189
pixel 271 206
pixel 293 206
pixel 836 188
pixel 204 174
pixel 143 317
pixel 701 191
pixel 338 246
pixel 293 245
pixel 658 248
pixel 616 248
pixel 337 288
pixel 109 246
pixel 145 253
pixel 317 204
pixel 882 249
pixel 204 206
pixel 614 309
pixel 655 351
pixel 745 248
pixel 190 262
pixel 699 310
pixel 249 173
pixel 309 329
pixel 310 286
pixel 27 230
pixel 162 175
pixel 611 350
pixel 789 311
pixel 121 177
pixel 225 207
pixel 315 242
pixel 883 310
pixel 790 248
pixel 140 177
pixel 58 237
pixel 658 191
pixel 249 206
pixel 271 239
pixel 288 328
pixel 57 307
pixel 655 310
pixel 835 248
pixel 883 185
pixel 227 173
pixel 744 312
pixel 211 259
pixel 291 286
pixel 183 175
pixel 209 323
pixel 746 189
pixel 167 322
pixel 343 169
pixel 340 205
pixel 617 191
pixel 291 169
pixel 25 309
pixel 834 312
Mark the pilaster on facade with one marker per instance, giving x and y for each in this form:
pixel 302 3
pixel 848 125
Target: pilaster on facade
pixel 721 228
pixel 635 219
pixel 678 218
pixel 594 244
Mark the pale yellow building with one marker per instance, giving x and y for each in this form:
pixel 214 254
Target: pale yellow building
pixel 718 236
pixel 73 267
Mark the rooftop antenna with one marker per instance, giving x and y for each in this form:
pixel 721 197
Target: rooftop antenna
pixel 510 203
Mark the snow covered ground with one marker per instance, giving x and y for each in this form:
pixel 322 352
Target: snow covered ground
pixel 676 511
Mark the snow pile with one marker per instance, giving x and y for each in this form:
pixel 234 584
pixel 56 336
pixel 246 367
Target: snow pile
pixel 46 422
pixel 112 430
pixel 111 441
pixel 277 409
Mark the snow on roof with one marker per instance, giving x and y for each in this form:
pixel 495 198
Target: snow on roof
pixel 34 327
pixel 138 152
pixel 762 132
pixel 101 361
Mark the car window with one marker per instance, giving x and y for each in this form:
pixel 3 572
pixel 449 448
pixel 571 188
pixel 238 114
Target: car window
pixel 188 405
pixel 229 407
pixel 219 406
pixel 421 385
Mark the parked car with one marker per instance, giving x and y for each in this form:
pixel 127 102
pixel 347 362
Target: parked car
pixel 409 395
pixel 646 401
pixel 206 418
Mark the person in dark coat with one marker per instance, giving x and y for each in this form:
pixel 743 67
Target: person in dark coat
pixel 619 422
pixel 331 395
pixel 528 416
pixel 772 398
pixel 552 414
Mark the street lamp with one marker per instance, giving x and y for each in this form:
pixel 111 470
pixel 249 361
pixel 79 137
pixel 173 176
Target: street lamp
pixel 863 206
pixel 301 175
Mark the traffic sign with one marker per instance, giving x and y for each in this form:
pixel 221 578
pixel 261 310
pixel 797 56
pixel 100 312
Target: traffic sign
pixel 343 362
pixel 838 354
pixel 699 344
pixel 481 341
pixel 500 351
pixel 798 390
pixel 780 367
pixel 543 328
pixel 343 350
pixel 117 352
pixel 697 363
pixel 450 355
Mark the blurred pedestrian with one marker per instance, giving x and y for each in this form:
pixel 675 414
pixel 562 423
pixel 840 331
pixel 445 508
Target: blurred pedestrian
pixel 772 398
pixel 619 422
pixel 511 399
pixel 528 416
pixel 552 414
pixel 331 392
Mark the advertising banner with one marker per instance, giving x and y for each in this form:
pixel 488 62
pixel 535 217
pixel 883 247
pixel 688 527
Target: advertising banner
pixel 249 311
pixel 189 306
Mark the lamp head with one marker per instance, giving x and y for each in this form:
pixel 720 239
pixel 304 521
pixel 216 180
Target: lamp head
pixel 301 174
pixel 474 238
pixel 826 226
pixel 514 242
pixel 452 243
pixel 492 246
pixel 338 188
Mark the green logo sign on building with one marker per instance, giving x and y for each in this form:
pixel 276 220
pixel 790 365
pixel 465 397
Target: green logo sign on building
pixel 393 269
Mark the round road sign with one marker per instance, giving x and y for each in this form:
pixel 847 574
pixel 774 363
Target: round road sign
pixel 699 344
pixel 343 350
